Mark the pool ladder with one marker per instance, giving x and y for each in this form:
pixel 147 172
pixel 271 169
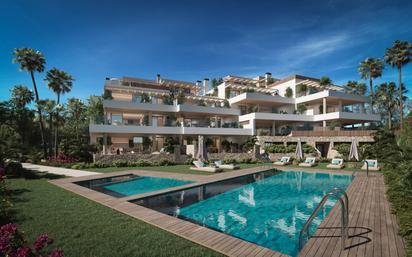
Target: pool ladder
pixel 344 203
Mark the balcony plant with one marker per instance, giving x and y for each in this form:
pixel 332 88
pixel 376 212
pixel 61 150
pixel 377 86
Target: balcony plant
pixel 301 108
pixel 253 108
pixel 302 89
pixel 167 99
pixel 180 98
pixel 201 103
pixel 145 98
pixel 289 92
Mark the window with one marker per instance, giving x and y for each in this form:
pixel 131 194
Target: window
pixel 137 98
pixel 117 119
pixel 137 140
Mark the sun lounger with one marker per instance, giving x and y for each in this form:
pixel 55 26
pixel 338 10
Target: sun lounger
pixel 373 165
pixel 309 162
pixel 201 166
pixel 230 166
pixel 285 160
pixel 336 164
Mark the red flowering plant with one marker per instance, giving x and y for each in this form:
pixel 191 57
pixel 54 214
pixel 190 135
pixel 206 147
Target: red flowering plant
pixel 61 159
pixel 12 244
pixel 5 203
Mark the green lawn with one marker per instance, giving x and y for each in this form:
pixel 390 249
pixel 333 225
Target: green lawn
pixel 174 168
pixel 84 228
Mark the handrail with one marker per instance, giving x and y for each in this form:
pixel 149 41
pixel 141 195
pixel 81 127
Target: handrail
pixel 367 167
pixel 337 192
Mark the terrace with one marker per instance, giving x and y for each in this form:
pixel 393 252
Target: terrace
pixel 371 229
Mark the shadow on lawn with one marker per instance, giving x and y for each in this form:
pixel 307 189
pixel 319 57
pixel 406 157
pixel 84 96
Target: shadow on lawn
pixel 33 174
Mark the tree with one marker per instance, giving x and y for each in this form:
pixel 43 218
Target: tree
pixel 48 108
pixel 21 96
pixel 353 87
pixel 289 92
pixel 215 83
pixel 21 116
pixel 324 82
pixel 145 98
pixel 32 61
pixel 60 82
pixel 76 114
pixel 398 56
pixel 387 100
pixel 301 108
pixel 371 68
pixel 302 89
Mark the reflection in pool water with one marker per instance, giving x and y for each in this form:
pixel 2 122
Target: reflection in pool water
pixel 268 209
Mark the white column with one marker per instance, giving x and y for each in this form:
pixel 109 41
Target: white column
pixel 324 111
pixel 252 123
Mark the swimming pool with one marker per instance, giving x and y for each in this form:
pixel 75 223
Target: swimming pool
pixel 267 208
pixel 130 184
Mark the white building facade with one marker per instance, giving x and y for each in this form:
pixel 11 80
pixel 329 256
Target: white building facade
pixel 142 115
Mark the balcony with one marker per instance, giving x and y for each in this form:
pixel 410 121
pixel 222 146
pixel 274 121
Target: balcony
pixel 153 130
pixel 333 133
pixel 180 108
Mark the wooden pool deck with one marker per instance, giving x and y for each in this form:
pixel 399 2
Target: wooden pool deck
pixel 373 229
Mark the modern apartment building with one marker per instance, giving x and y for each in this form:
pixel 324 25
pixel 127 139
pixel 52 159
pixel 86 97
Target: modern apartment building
pixel 274 110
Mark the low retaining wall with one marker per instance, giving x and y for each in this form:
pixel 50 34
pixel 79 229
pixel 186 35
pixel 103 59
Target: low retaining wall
pixel 108 159
pixel 223 156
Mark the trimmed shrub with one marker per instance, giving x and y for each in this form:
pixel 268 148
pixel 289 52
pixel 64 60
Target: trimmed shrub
pixel 120 163
pixel 14 168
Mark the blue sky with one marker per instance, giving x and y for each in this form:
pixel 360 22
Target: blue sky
pixel 191 40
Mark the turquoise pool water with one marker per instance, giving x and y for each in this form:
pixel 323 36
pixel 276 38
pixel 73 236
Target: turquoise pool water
pixel 269 212
pixel 142 185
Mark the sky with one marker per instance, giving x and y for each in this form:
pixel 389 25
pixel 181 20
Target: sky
pixel 192 40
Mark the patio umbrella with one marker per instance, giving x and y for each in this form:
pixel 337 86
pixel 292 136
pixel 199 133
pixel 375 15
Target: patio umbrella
pixel 353 153
pixel 298 152
pixel 201 151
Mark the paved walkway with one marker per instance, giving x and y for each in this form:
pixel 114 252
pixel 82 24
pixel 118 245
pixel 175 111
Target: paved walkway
pixel 59 171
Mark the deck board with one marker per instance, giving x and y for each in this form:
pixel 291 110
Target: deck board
pixel 373 228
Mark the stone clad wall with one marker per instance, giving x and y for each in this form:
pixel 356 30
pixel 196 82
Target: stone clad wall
pixel 108 159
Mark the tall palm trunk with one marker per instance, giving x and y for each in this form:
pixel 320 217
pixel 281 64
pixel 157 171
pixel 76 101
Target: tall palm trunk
pixel 389 120
pixel 56 149
pixel 51 134
pixel 371 87
pixel 400 97
pixel 40 114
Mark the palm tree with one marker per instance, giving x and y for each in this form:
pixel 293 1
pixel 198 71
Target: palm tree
pixel 371 68
pixel 353 87
pixel 21 96
pixel 32 61
pixel 398 56
pixel 48 107
pixel 387 99
pixel 60 82
pixel 324 81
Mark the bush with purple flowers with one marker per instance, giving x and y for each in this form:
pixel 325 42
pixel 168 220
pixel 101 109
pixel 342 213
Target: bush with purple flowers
pixel 5 203
pixel 12 244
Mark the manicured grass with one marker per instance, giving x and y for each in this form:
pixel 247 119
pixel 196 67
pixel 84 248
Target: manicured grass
pixel 174 168
pixel 322 165
pixel 84 228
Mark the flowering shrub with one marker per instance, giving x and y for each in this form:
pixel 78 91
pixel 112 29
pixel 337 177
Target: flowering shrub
pixel 60 159
pixel 12 244
pixel 5 203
